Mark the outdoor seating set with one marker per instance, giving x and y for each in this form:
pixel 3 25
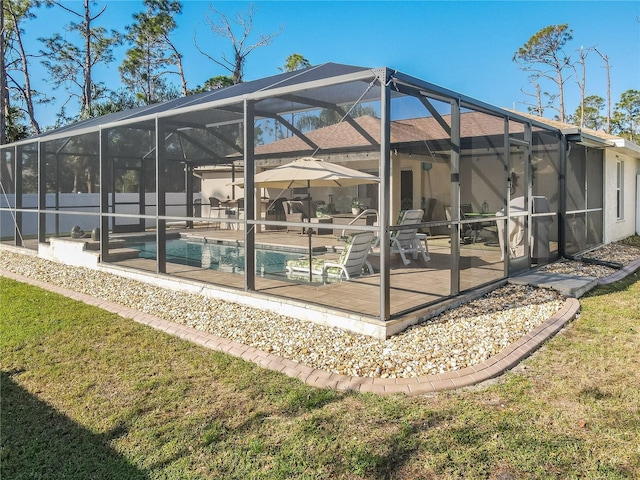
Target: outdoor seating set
pixel 310 172
pixel 298 211
pixel 354 262
pixel 471 233
pixel 318 212
pixel 231 208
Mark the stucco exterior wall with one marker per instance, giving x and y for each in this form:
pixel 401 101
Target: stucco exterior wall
pixel 617 229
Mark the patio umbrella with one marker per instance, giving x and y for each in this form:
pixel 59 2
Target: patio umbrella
pixel 310 172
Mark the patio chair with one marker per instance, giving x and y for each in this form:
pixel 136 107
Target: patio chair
pixel 275 211
pixel 471 230
pixel 215 210
pixel 408 240
pixel 235 210
pixel 295 211
pixel 298 211
pixel 430 206
pixel 469 233
pixel 351 263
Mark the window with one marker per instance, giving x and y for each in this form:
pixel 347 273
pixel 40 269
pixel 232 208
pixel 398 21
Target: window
pixel 619 192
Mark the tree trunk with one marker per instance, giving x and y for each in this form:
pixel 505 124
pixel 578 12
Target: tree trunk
pixel 4 110
pixel 583 85
pixel 237 69
pixel 608 96
pixel 85 108
pixel 89 180
pixel 605 58
pixel 560 81
pixel 150 90
pixel 27 93
pixel 183 80
pixel 539 98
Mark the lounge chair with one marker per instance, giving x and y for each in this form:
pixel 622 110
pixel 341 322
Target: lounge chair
pixel 351 263
pixel 408 240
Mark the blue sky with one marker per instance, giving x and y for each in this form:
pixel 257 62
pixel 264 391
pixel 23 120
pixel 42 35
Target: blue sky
pixel 465 46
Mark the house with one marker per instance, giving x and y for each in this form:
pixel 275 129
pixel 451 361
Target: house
pixel 621 180
pixel 169 193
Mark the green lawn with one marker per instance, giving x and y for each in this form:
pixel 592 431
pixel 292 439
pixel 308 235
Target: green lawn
pixel 88 395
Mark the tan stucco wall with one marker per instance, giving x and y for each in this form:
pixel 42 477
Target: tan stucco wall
pixel 617 229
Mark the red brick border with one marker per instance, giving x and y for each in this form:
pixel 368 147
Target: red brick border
pixel 468 376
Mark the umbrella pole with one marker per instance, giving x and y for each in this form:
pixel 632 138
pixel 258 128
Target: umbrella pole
pixel 309 232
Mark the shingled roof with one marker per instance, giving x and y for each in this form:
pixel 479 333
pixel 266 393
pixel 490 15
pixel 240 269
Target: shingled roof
pixel 344 135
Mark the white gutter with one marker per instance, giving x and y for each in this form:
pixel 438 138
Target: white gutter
pixel 628 145
pixel 590 140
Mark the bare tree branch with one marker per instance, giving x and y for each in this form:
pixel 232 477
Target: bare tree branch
pixel 605 58
pixel 222 27
pixel 76 13
pixel 581 78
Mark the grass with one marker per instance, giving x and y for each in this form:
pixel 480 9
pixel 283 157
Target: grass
pixel 633 240
pixel 87 394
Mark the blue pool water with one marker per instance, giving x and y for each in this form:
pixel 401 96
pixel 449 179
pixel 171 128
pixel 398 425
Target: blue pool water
pixel 228 258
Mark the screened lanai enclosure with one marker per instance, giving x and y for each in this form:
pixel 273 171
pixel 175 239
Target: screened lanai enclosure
pixel 171 189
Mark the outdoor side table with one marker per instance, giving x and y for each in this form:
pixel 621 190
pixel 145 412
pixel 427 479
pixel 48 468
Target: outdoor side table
pixel 322 220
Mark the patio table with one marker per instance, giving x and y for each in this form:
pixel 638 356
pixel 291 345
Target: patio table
pixel 322 220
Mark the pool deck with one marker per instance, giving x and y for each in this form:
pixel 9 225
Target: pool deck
pixel 418 291
pixel 412 286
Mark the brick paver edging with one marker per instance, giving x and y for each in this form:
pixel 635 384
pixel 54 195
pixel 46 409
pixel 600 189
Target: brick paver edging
pixel 620 274
pixel 493 367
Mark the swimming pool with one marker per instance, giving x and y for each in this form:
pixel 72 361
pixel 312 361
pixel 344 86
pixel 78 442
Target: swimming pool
pixel 226 258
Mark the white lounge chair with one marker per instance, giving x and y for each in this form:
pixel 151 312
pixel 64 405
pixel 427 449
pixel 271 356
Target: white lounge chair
pixel 409 240
pixel 351 263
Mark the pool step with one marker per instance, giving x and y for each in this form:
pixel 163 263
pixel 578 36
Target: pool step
pixel 119 254
pixel 93 245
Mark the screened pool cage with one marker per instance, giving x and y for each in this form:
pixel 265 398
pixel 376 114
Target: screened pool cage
pixel 169 189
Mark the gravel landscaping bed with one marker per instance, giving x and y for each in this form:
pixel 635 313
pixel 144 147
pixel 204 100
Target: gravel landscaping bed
pixel 597 263
pixel 458 338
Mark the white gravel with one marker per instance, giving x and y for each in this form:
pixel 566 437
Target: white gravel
pixel 458 338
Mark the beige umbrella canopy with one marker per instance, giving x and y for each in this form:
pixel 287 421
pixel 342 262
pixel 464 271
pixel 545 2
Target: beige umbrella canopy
pixel 310 172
